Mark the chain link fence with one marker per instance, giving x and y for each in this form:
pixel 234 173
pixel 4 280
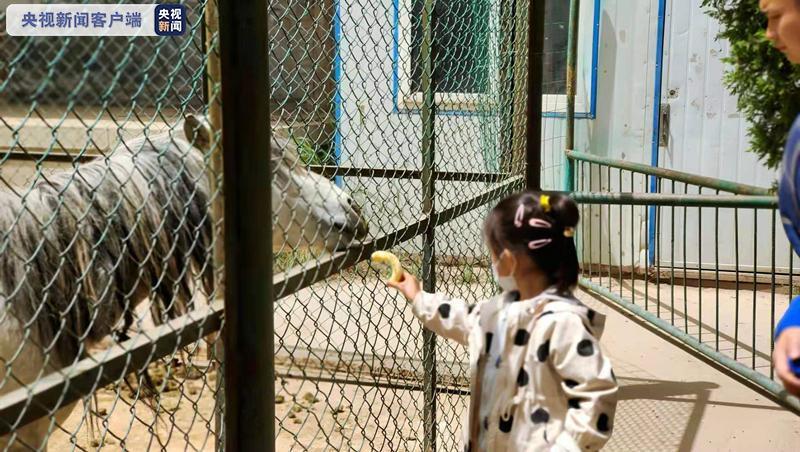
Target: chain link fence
pixel 424 128
pixel 107 277
pixel 396 125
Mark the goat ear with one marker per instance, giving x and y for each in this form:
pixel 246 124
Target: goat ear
pixel 197 132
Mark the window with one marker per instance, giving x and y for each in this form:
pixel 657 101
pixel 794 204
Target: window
pixel 556 27
pixel 462 46
pixel 466 60
pixel 105 72
pixel 462 60
pixel 91 71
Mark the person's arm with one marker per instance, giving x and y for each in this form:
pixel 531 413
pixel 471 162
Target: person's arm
pixel 787 332
pixel 787 346
pixel 791 318
pixel 588 382
pixel 448 317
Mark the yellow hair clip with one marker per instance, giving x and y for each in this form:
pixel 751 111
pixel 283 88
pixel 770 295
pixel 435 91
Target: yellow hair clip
pixel 544 202
pixel 569 232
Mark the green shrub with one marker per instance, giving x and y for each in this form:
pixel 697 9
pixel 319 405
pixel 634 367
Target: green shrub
pixel 310 154
pixel 763 79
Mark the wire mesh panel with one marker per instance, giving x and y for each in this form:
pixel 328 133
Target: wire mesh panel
pixel 108 284
pixel 413 112
pixel 396 124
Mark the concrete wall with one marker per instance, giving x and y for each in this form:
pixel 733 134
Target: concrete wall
pixel 708 136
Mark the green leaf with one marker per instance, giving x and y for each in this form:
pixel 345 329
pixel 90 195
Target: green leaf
pixel 759 75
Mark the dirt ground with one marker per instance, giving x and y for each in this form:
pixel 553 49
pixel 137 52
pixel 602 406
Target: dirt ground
pixel 125 419
pixel 328 338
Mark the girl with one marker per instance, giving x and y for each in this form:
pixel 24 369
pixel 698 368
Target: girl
pixel 539 380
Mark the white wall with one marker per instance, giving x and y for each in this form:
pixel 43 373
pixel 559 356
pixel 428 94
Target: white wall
pixel 622 128
pixel 708 136
pixel 375 135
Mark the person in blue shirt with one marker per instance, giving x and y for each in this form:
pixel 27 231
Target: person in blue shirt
pixel 786 356
pixel 783 30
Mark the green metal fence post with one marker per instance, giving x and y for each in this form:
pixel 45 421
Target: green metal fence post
pixel 428 85
pixel 249 329
pixel 572 64
pixel 533 132
pixel 214 105
pixel 506 87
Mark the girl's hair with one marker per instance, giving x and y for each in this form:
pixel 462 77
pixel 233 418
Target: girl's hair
pixel 542 227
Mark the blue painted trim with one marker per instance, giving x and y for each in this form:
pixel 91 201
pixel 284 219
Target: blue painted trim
pixel 441 111
pixel 595 57
pixel 395 53
pixel 651 233
pixel 337 78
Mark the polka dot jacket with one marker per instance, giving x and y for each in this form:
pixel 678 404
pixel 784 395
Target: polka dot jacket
pixel 539 380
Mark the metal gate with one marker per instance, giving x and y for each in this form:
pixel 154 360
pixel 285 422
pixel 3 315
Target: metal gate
pixel 723 314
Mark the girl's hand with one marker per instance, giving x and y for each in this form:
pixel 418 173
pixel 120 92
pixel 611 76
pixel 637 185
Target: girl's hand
pixel 787 347
pixel 409 286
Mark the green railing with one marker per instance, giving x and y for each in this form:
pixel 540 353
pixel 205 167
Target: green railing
pixel 710 271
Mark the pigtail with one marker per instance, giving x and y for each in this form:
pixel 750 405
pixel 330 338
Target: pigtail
pixel 566 214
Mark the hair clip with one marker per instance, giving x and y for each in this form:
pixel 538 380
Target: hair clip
pixel 539 223
pixel 544 202
pixel 536 244
pixel 519 216
pixel 569 232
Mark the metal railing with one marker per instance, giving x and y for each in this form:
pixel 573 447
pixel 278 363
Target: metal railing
pixel 709 271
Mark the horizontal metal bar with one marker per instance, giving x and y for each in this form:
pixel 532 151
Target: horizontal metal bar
pixel 711 273
pixel 400 173
pixel 47 157
pixel 440 388
pixel 397 367
pixel 61 388
pixel 302 276
pixel 751 378
pixel 662 199
pixel 678 176
pixel 324 170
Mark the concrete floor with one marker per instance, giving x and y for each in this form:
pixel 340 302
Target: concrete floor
pixel 671 401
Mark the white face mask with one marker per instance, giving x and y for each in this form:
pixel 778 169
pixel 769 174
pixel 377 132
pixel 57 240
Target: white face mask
pixel 507 283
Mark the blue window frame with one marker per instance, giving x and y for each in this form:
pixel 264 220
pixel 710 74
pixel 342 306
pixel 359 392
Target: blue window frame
pixel 449 108
pixel 454 20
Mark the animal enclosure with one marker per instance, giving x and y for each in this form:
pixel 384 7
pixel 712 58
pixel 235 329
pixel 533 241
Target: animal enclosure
pixel 108 283
pixel 112 258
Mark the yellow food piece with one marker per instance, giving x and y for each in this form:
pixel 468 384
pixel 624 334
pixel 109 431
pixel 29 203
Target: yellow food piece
pixel 387 258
